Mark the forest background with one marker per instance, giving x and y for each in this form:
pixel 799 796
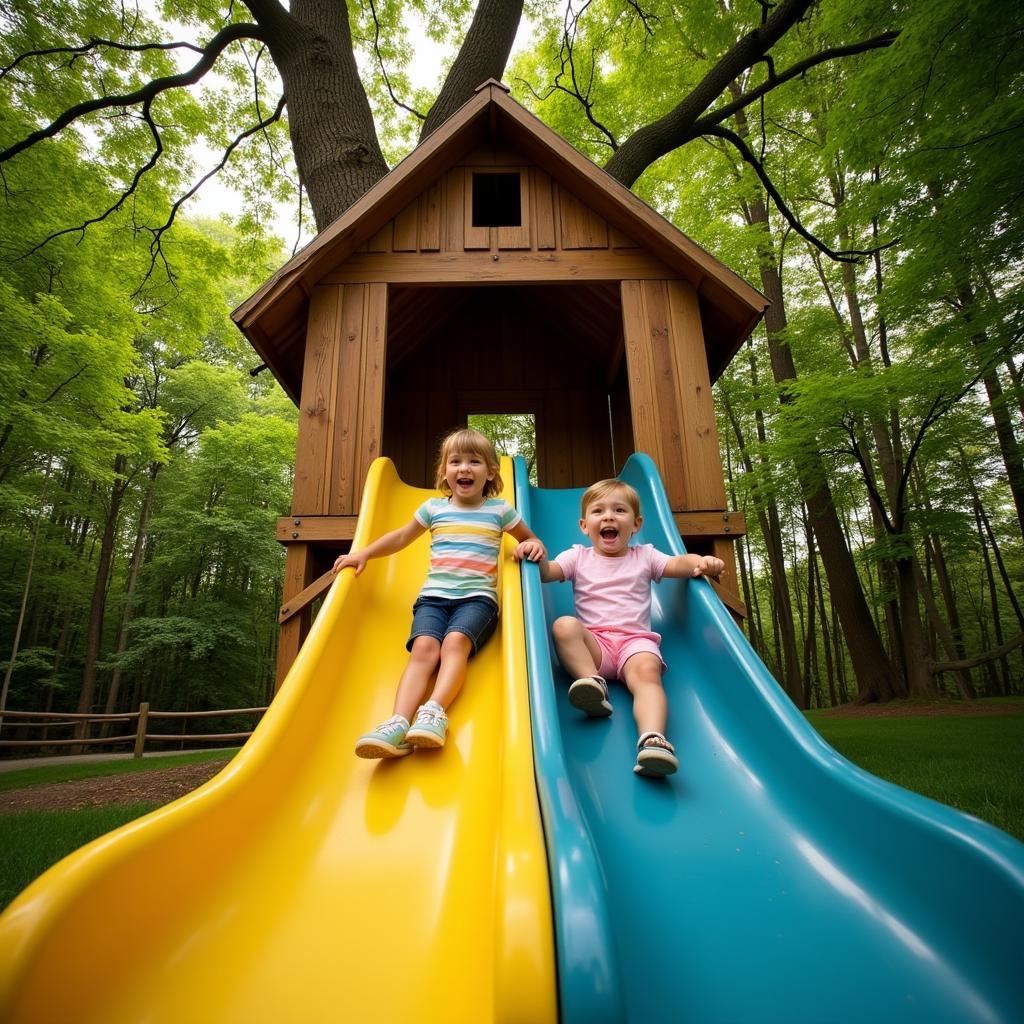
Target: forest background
pixel 857 161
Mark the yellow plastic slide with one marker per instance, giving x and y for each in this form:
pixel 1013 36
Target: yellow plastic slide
pixel 303 884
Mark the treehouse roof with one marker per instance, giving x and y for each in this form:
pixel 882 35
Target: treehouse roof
pixel 274 318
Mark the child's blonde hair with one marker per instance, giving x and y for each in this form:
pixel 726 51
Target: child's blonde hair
pixel 603 488
pixel 469 442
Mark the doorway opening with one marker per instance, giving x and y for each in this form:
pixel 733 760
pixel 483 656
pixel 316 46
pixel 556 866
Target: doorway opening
pixel 511 434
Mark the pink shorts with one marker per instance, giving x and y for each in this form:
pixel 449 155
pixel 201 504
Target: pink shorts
pixel 618 646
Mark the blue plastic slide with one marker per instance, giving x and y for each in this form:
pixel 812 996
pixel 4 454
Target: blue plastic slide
pixel 770 880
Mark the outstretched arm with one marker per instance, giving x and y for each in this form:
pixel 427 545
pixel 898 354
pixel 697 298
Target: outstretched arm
pixel 388 544
pixel 551 572
pixel 688 566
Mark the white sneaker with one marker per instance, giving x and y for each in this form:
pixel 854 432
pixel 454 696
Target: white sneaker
pixel 387 740
pixel 430 727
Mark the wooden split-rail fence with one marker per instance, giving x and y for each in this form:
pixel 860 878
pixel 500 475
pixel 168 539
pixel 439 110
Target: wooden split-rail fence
pixel 138 737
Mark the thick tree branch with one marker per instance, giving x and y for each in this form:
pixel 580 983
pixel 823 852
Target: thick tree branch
pixel 145 95
pixel 654 140
pixel 979 659
pixel 271 15
pixel 720 114
pixel 484 54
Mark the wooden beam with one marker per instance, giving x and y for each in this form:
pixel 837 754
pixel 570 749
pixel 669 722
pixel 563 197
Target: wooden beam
pixel 728 590
pixel 729 599
pixel 710 524
pixel 298 575
pixel 316 529
pixel 306 597
pixel 507 267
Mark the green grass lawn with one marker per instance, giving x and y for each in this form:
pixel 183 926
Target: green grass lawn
pixel 32 841
pixel 972 762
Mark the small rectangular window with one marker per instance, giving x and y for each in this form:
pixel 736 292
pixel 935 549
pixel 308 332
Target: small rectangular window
pixel 496 201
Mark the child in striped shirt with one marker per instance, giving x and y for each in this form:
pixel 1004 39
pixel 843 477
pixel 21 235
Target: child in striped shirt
pixel 457 608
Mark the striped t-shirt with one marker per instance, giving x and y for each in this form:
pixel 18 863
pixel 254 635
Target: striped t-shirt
pixel 464 546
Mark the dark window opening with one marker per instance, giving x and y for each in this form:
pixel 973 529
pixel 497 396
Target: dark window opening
pixel 496 201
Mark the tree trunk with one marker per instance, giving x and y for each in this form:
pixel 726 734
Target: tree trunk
pixel 920 681
pixel 767 513
pixel 129 591
pixel 483 54
pixel 997 554
pixel 826 643
pixel 876 678
pixel 810 644
pixel 329 119
pixel 997 687
pixel 962 677
pixel 26 589
pixel 1012 458
pixel 98 604
pixel 741 560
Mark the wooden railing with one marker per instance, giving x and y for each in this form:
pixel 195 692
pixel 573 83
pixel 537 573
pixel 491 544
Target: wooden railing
pixel 139 737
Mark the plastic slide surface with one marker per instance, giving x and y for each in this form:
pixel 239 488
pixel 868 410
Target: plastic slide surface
pixel 303 884
pixel 770 880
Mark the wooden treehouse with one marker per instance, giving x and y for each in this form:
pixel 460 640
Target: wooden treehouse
pixel 496 270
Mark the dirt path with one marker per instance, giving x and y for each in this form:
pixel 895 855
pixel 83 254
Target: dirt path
pixel 159 786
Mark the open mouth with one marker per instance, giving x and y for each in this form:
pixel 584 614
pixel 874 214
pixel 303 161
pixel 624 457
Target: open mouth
pixel 609 534
pixel 463 482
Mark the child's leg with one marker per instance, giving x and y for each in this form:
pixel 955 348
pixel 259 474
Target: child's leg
pixel 577 649
pixel 581 656
pixel 430 727
pixel 655 755
pixel 412 687
pixel 642 676
pixel 455 652
pixel 470 622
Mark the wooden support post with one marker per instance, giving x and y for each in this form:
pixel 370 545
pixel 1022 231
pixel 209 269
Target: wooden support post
pixel 673 410
pixel 298 575
pixel 141 728
pixel 341 416
pixel 729 586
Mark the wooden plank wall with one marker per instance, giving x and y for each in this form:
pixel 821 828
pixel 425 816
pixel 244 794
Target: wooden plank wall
pixel 672 405
pixel 439 220
pixel 340 410
pixel 670 391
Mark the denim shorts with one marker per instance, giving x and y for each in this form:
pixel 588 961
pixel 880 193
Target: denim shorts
pixel 475 617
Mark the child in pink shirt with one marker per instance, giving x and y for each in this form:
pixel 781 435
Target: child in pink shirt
pixel 610 637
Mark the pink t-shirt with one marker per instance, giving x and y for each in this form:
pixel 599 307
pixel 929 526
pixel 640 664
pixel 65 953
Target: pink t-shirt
pixel 613 592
